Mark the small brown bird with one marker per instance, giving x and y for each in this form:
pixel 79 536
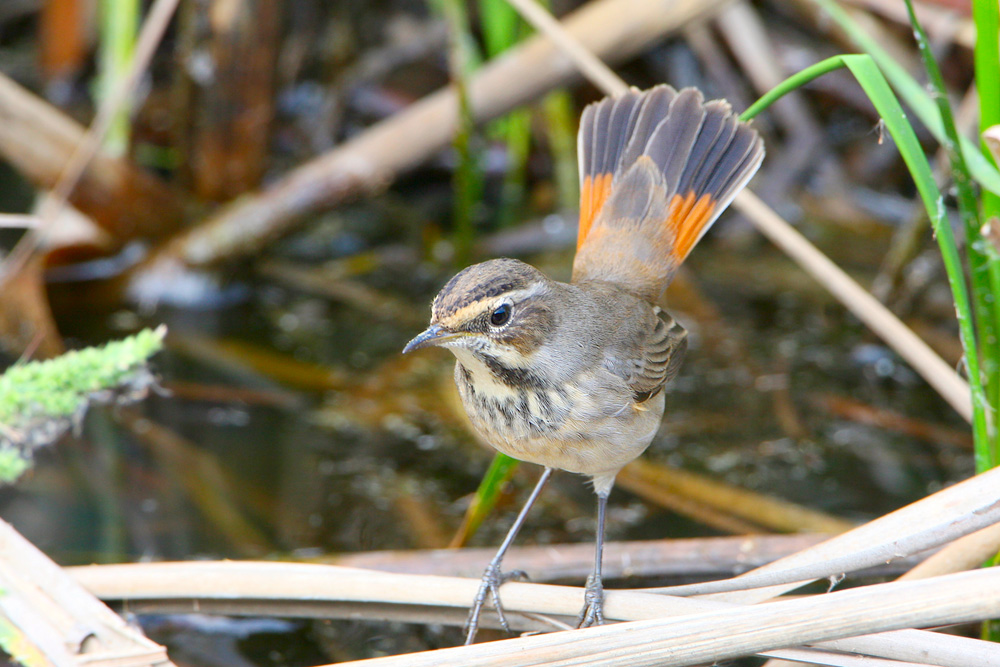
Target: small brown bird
pixel 570 375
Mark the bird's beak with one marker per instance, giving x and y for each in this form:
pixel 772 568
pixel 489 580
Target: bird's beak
pixel 433 335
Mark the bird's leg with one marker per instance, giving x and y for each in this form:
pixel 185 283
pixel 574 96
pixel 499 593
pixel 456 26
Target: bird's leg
pixel 593 607
pixel 493 578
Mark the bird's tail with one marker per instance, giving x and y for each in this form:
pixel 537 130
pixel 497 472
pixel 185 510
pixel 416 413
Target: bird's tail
pixel 656 170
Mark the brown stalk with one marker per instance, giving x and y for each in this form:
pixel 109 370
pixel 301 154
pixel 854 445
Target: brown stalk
pixel 88 146
pixel 710 557
pixel 735 502
pixel 47 610
pixel 665 630
pixel 55 154
pixel 38 140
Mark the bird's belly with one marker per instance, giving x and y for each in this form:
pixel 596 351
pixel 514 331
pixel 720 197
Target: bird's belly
pixel 569 426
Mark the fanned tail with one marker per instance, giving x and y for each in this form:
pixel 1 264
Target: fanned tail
pixel 657 168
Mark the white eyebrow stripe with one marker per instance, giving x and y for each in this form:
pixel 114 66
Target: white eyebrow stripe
pixel 477 308
pixel 521 294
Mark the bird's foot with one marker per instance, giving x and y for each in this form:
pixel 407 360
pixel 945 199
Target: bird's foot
pixel 490 585
pixel 593 607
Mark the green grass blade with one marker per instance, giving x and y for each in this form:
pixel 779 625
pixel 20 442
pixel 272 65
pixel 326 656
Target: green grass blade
pixel 467 181
pixel 560 125
pixel 983 171
pixel 873 82
pixel 119 28
pixel 503 28
pixel 500 471
pixel 984 269
pixel 987 63
pixel 793 82
pixel 987 60
pixel 517 131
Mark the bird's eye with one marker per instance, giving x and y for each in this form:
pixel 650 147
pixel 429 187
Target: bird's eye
pixel 500 316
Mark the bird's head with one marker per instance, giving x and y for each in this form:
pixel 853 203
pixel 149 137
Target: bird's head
pixel 500 308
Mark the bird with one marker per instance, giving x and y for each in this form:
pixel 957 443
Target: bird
pixel 570 376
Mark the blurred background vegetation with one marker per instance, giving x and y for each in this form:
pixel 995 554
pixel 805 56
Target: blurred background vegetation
pixel 264 195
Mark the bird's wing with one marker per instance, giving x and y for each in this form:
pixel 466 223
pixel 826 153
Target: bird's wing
pixel 652 358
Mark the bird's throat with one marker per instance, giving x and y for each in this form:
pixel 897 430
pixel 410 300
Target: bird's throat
pixel 500 376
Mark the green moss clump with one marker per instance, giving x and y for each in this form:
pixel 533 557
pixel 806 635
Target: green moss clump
pixel 41 400
pixel 60 387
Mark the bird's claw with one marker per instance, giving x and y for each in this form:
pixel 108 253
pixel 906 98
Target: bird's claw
pixel 593 607
pixel 490 585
